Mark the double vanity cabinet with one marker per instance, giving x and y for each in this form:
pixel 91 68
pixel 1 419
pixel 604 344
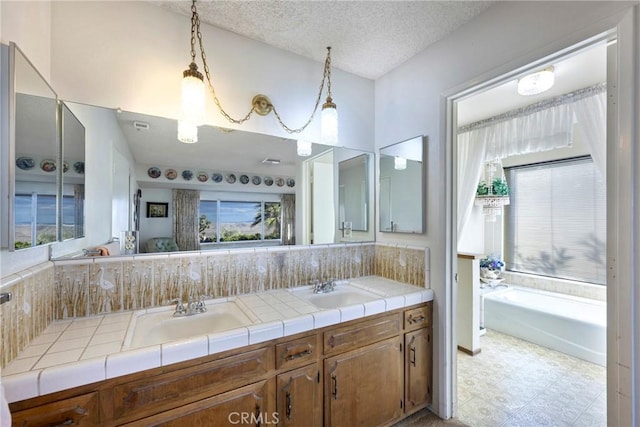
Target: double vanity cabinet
pixel 371 371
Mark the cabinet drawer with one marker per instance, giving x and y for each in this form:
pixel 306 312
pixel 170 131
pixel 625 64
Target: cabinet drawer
pixel 419 317
pixel 297 352
pixel 75 411
pixel 150 395
pixel 361 334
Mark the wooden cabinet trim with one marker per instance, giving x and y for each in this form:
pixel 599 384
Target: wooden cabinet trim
pixel 348 337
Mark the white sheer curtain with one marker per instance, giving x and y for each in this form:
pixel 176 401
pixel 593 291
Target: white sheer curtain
pixel 472 147
pixel 591 113
pixel 542 126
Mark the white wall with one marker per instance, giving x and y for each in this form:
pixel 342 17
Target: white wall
pixel 28 24
pixel 132 56
pixel 410 100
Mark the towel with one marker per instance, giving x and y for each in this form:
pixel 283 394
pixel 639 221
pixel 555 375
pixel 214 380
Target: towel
pixel 103 251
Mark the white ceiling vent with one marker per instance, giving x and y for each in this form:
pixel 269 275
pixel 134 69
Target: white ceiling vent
pixel 141 125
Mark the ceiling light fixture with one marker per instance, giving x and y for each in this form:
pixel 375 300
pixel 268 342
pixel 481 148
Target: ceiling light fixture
pixel 193 104
pixel 304 148
pixel 399 163
pixel 535 83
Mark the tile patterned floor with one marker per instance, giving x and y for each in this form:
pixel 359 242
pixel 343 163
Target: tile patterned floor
pixel 514 383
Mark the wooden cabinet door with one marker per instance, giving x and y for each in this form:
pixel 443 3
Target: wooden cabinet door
pixel 250 405
pixel 364 387
pixel 418 349
pixel 299 397
pixel 75 411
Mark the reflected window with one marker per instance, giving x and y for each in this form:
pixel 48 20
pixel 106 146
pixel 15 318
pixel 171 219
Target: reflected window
pixel 234 221
pixel 35 219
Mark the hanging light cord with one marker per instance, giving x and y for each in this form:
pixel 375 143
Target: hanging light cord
pixel 195 31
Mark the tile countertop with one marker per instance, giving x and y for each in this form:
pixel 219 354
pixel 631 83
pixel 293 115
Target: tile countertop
pixel 75 352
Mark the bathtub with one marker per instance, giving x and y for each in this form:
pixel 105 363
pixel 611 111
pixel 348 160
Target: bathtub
pixel 572 325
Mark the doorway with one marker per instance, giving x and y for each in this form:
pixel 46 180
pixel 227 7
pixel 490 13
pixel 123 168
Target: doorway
pixel 503 354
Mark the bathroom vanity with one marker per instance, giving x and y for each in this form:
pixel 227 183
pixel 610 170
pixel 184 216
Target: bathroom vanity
pixel 371 365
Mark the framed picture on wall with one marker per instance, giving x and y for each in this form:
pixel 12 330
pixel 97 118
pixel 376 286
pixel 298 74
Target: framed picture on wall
pixel 157 210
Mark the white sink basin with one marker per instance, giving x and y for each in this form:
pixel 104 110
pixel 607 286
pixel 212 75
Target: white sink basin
pixel 160 326
pixel 341 296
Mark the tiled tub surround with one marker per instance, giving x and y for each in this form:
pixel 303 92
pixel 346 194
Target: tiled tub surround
pixel 92 286
pixel 80 351
pixel 552 284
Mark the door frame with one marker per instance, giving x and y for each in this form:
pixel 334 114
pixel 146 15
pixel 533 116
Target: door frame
pixel 623 220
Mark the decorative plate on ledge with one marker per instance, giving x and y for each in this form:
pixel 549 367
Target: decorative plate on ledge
pixel 268 181
pixel 291 182
pixel 231 178
pixel 244 179
pixel 279 182
pixel 187 175
pixel 25 163
pixel 78 167
pixel 154 172
pixel 256 180
pixel 202 176
pixel 65 166
pixel 171 174
pixel 48 165
pixel 216 177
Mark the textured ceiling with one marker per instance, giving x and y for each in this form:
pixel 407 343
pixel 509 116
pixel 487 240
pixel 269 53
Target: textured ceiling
pixel 368 38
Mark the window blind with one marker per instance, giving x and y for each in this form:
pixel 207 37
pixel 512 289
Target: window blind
pixel 556 222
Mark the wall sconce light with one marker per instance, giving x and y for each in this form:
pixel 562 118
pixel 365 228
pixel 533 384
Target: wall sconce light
pixel 535 83
pixel 304 148
pixel 399 163
pixel 193 104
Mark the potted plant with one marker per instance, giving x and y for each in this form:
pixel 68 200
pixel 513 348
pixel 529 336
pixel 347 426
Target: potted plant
pixel 491 268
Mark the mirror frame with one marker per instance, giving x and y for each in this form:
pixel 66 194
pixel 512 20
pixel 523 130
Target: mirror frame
pixel 423 182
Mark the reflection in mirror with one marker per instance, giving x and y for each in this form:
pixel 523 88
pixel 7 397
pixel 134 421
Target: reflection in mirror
pixel 73 149
pixel 402 186
pixel 242 179
pixel 339 187
pixel 34 150
pixel 353 201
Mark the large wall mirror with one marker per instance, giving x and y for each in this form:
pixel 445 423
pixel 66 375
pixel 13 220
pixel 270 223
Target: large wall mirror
pixel 241 178
pixel 33 155
pixel 46 155
pixel 71 210
pixel 353 194
pixel 402 186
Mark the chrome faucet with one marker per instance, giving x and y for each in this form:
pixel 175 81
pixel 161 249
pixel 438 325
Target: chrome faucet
pixel 193 306
pixel 323 287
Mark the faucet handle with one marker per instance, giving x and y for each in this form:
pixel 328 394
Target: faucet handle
pixel 200 305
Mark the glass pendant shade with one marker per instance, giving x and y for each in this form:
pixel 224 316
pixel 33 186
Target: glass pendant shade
pixel 193 96
pixel 536 83
pixel 187 132
pixel 329 121
pixel 399 163
pixel 304 148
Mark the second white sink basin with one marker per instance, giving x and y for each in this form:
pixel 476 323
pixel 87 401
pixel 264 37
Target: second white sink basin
pixel 343 295
pixel 160 326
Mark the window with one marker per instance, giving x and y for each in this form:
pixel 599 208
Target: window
pixel 35 219
pixel 556 222
pixel 232 221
